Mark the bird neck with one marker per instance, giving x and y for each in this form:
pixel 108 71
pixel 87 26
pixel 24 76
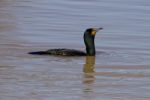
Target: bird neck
pixel 90 45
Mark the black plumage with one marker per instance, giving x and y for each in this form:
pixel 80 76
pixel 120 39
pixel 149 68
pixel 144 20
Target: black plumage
pixel 89 36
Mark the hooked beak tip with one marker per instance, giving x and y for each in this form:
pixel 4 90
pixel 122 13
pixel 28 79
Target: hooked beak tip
pixel 100 28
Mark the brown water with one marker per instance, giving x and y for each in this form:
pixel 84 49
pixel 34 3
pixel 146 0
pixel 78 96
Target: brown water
pixel 120 71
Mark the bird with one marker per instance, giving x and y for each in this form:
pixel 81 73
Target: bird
pixel 89 37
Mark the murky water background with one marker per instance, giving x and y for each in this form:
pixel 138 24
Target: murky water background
pixel 121 72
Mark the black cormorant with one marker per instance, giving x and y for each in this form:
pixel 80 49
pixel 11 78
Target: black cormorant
pixel 89 36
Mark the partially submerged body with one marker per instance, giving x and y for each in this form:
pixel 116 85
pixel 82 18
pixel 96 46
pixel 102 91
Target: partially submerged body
pixel 89 36
pixel 60 52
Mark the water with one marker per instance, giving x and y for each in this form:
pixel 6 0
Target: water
pixel 121 71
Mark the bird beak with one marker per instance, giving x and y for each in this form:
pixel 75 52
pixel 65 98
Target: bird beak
pixel 98 29
pixel 95 30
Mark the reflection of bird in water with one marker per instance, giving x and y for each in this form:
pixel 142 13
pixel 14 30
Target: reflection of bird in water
pixel 89 64
pixel 88 70
pixel 89 36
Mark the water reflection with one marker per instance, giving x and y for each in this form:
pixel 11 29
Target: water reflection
pixel 89 64
pixel 88 70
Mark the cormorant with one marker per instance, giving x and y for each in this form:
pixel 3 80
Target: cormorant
pixel 89 36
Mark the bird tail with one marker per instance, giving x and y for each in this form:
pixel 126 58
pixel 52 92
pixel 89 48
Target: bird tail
pixel 39 53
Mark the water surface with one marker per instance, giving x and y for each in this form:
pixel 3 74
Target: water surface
pixel 121 71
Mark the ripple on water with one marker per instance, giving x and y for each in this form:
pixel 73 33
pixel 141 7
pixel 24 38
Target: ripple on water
pixel 119 71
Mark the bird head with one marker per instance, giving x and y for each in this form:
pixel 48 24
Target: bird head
pixel 92 31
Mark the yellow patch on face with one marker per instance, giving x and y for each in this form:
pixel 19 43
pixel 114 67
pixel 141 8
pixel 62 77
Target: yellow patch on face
pixel 93 32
